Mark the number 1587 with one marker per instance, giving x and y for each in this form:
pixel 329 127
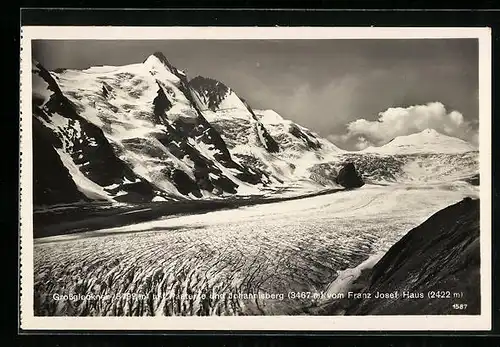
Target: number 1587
pixel 459 306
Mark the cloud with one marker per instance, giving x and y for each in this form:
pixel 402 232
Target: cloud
pixel 362 143
pixel 321 107
pixel 398 121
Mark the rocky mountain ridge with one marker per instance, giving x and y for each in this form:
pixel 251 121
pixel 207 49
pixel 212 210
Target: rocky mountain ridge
pixel 145 132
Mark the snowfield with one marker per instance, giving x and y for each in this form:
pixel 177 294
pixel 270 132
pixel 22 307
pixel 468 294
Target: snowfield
pixel 224 262
pixel 426 141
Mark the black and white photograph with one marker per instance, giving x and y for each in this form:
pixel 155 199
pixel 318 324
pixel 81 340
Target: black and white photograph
pixel 253 176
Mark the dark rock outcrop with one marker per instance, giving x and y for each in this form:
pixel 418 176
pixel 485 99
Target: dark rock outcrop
pixel 377 168
pixel 266 139
pixel 348 177
pixel 52 182
pixel 440 256
pixel 161 104
pixel 212 91
pixel 474 180
pixel 202 131
pixel 308 138
pixel 177 144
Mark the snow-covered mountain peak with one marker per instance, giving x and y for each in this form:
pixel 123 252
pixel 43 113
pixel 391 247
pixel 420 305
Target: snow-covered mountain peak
pixel 426 141
pixel 160 69
pixel 158 59
pixel 269 117
pixel 161 57
pixel 142 132
pixel 429 132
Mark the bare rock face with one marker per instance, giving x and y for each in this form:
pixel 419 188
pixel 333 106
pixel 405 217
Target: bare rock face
pixel 348 177
pixel 52 182
pixel 212 91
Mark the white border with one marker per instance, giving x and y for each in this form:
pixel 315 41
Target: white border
pixel 278 323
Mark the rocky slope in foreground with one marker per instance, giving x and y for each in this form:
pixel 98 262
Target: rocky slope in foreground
pixel 441 255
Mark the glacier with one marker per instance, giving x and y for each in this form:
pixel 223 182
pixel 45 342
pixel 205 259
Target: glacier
pixel 197 162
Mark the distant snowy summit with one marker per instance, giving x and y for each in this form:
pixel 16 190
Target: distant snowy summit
pixel 426 141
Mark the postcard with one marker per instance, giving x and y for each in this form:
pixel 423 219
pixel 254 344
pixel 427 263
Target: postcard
pixel 255 178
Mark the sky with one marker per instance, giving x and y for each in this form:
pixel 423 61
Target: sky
pixel 354 92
